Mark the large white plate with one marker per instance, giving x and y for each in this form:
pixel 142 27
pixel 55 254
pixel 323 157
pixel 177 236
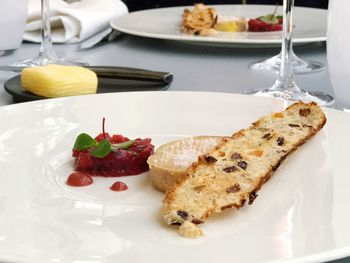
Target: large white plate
pixel 164 23
pixel 301 214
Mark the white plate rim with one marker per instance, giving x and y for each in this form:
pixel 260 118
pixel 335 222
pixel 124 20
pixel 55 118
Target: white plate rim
pixel 207 39
pixel 332 255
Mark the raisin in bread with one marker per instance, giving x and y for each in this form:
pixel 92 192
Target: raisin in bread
pixel 235 170
pixel 171 160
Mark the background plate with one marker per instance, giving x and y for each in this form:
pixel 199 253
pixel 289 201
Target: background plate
pixel 300 215
pixel 164 23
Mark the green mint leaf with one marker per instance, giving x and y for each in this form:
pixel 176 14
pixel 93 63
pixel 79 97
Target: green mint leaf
pixel 271 19
pixel 123 145
pixel 102 149
pixel 84 141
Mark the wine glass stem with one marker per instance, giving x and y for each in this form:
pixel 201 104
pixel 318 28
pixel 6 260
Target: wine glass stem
pixel 46 48
pixel 285 78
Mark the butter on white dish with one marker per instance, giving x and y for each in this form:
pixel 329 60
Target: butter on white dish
pixel 52 80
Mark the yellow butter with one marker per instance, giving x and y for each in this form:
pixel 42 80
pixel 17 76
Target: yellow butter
pixel 59 81
pixel 235 25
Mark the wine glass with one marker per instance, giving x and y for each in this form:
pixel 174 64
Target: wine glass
pixel 285 86
pixel 299 65
pixel 338 53
pixel 47 54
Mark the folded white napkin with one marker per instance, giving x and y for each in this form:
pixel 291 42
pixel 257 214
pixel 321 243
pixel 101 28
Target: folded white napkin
pixel 73 22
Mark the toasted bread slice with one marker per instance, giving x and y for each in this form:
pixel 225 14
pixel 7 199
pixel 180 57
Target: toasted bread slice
pixel 235 170
pixel 171 160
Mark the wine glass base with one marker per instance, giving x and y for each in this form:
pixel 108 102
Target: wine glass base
pixel 39 61
pixel 320 98
pixel 299 65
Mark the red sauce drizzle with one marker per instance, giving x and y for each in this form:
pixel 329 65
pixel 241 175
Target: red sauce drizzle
pixel 119 186
pixel 79 179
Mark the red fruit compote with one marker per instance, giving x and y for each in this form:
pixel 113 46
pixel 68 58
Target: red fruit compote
pixel 119 162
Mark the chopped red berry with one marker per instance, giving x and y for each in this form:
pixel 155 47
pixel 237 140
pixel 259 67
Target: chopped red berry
pixel 118 162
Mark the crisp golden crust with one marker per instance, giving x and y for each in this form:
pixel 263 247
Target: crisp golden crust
pixel 199 21
pixel 236 169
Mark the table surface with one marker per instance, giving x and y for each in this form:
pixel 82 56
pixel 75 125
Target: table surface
pixel 195 67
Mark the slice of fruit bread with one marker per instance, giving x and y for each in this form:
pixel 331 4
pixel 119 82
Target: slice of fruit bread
pixel 231 174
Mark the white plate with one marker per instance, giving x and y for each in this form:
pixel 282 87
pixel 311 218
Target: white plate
pixel 164 23
pixel 301 214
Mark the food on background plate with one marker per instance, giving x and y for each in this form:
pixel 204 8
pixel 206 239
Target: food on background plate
pixel 205 21
pixel 199 21
pixel 109 156
pixel 231 174
pixel 171 160
pixel 231 24
pixel 52 81
pixel 265 23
